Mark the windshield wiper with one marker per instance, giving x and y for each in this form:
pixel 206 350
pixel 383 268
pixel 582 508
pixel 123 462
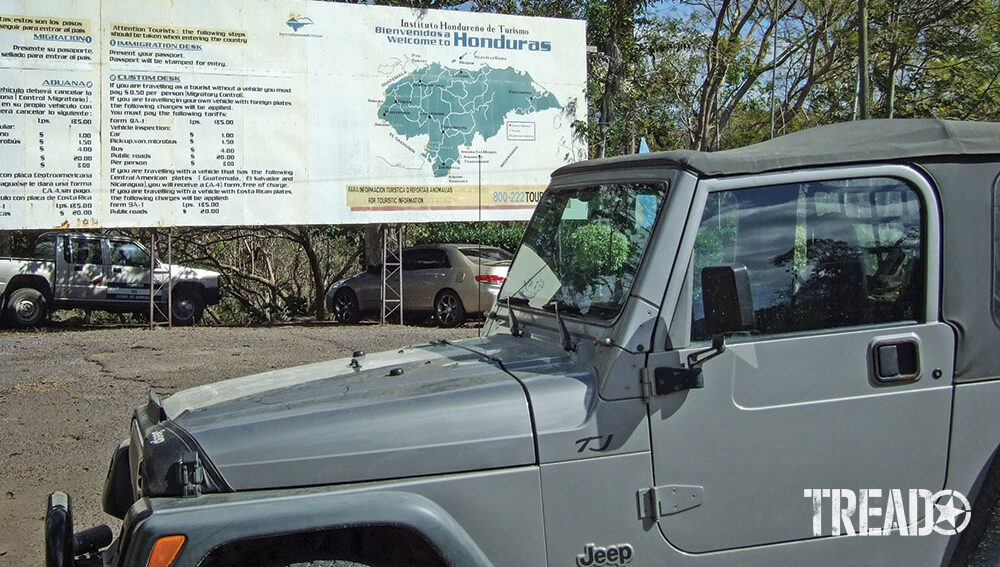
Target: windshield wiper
pixel 566 339
pixel 515 326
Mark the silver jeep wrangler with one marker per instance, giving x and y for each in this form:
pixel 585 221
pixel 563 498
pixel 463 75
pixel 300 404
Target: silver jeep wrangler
pixel 785 354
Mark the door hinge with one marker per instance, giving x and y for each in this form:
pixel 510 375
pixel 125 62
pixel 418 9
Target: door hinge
pixel 190 474
pixel 666 380
pixel 659 501
pixel 645 384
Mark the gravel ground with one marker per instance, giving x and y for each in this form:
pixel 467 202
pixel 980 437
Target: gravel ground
pixel 66 396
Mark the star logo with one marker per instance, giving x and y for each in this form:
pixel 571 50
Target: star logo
pixel 953 512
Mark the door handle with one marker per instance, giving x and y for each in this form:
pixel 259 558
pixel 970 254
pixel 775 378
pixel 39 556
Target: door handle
pixel 895 359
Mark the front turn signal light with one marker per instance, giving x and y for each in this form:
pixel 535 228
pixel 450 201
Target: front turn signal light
pixel 165 550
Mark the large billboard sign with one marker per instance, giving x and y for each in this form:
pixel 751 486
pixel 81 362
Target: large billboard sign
pixel 236 112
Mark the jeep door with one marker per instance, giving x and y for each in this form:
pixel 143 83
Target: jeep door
pixel 845 380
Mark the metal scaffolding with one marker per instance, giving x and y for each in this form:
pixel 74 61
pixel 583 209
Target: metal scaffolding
pixel 392 273
pixel 160 314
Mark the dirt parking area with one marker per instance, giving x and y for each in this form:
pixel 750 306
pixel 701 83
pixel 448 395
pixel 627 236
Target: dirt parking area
pixel 66 396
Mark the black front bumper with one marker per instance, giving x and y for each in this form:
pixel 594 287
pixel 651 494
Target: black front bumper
pixel 63 548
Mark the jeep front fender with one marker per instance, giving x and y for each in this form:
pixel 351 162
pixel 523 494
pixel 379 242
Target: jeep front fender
pixel 213 520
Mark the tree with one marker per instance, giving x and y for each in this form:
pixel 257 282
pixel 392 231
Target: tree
pixel 613 27
pixel 739 43
pixel 936 58
pixel 267 273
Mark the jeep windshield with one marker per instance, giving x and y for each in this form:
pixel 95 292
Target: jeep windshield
pixel 582 249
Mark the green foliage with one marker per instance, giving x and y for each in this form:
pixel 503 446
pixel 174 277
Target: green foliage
pixel 545 8
pixel 595 250
pixel 19 243
pixel 506 235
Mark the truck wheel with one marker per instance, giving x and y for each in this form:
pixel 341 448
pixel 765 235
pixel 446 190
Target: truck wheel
pixel 26 307
pixel 188 308
pixel 448 309
pixel 345 306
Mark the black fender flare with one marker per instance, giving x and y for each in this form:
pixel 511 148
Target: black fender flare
pixel 213 520
pixel 984 497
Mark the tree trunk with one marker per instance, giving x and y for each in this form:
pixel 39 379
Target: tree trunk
pixel 863 95
pixel 893 62
pixel 316 269
pixel 372 245
pixel 611 85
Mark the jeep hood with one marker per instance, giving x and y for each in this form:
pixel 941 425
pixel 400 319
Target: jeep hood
pixel 430 409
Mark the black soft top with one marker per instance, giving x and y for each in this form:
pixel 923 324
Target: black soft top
pixel 834 144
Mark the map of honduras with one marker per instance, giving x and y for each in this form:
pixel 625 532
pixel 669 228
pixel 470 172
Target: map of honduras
pixel 451 106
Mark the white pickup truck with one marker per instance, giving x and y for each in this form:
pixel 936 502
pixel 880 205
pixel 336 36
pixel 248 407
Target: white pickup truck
pixel 98 271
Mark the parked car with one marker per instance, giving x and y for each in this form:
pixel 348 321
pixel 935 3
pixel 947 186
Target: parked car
pixel 98 271
pixel 448 281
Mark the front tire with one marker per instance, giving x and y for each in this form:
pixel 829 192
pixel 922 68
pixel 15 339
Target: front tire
pixel 26 307
pixel 345 306
pixel 187 309
pixel 448 309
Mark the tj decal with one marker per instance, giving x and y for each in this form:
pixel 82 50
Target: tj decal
pixel 596 443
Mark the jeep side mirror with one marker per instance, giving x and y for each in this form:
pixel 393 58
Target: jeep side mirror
pixel 728 304
pixel 727 298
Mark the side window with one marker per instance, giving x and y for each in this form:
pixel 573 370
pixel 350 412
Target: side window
pixel 86 251
pixel 425 259
pixel 821 255
pixel 67 250
pixel 46 247
pixel 412 259
pixel 128 254
pixel 438 259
